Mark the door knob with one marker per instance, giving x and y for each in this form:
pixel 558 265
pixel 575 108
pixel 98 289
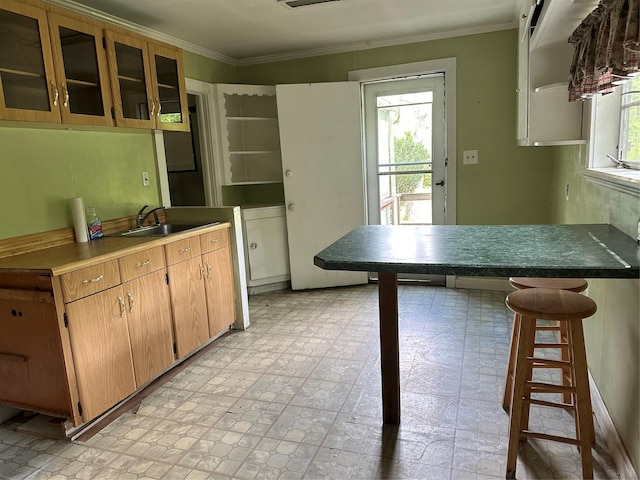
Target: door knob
pixel 440 183
pixel 253 246
pixel 291 207
pixel 288 173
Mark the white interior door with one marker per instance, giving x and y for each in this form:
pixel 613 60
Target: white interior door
pixel 320 136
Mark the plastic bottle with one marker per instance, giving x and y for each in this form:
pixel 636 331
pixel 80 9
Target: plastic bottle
pixel 94 224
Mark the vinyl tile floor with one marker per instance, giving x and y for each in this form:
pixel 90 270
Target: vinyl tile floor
pixel 298 395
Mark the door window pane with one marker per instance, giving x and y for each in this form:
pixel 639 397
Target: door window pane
pixel 131 76
pixel 22 74
pixel 81 72
pixel 169 90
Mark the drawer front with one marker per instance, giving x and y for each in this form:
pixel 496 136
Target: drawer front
pixel 89 280
pixel 141 263
pixel 182 250
pixel 214 240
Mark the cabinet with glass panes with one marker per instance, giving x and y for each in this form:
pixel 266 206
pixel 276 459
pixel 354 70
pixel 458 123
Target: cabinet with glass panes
pixel 52 67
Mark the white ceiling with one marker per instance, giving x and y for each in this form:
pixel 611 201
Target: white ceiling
pixel 247 31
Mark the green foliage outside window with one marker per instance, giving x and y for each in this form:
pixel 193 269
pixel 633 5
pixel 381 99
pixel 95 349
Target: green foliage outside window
pixel 407 150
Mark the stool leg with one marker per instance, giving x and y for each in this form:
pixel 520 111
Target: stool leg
pixel 585 430
pixel 525 341
pixel 567 379
pixel 513 347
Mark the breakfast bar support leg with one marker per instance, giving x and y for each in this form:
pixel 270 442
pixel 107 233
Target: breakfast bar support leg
pixel 389 347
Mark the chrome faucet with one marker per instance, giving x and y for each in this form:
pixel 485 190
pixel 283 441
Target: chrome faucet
pixel 141 217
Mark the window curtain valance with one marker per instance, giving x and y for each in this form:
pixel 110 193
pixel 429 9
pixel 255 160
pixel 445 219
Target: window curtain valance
pixel 607 49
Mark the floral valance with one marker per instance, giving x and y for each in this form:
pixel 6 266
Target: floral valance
pixel 607 49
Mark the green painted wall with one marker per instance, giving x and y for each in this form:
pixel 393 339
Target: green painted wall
pixel 510 184
pixel 613 333
pixel 43 167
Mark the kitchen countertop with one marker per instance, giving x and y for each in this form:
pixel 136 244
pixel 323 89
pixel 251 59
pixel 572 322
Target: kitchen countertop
pixel 590 251
pixel 72 256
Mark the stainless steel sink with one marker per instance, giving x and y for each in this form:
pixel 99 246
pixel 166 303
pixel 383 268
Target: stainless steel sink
pixel 162 230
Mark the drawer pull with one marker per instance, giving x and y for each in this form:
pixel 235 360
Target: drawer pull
pixel 123 307
pixel 93 280
pixel 215 240
pixel 143 264
pixel 185 250
pixel 131 301
pixel 7 357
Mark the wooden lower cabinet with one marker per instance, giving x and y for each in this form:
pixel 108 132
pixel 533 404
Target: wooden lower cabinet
pixel 77 344
pixel 101 348
pixel 149 320
pixel 188 305
pixel 221 303
pixel 32 373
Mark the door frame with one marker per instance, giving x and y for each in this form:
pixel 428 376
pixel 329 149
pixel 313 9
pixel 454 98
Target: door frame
pixel 205 96
pixel 429 67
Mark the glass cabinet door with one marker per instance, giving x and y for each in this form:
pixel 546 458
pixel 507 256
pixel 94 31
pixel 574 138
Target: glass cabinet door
pixel 131 81
pixel 172 112
pixel 81 67
pixel 27 85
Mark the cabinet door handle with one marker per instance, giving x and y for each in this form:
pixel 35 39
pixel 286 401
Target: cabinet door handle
pixel 159 107
pixel 56 95
pixel 66 96
pixel 123 307
pixel 253 246
pixel 131 301
pixel 201 268
pixel 208 269
pixel 185 250
pixel 143 264
pixel 93 280
pixel 152 107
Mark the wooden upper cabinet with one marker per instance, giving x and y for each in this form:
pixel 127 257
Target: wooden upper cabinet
pixel 147 81
pixel 169 85
pixel 81 68
pixel 27 79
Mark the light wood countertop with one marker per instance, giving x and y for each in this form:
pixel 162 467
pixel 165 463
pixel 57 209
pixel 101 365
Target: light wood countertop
pixel 72 256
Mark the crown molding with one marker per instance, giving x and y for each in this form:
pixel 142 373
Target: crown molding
pixel 147 32
pixel 374 44
pixel 234 62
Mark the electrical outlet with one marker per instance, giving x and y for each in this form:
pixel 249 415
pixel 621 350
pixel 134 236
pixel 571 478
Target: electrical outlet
pixel 470 157
pixel 145 179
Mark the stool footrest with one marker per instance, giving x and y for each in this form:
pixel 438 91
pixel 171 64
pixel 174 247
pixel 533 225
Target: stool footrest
pixel 546 403
pixel 549 362
pixel 553 328
pixel 546 436
pixel 552 345
pixel 540 387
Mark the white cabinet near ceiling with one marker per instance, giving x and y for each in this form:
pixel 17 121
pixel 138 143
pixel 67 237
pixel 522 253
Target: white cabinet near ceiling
pixel 545 115
pixel 249 139
pixel 266 248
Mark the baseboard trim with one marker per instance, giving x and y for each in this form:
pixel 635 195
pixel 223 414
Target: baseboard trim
pixel 483 283
pixel 611 437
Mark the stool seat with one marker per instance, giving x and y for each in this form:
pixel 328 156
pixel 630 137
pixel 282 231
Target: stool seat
pixel 569 309
pixel 550 304
pixel 521 283
pixel 572 284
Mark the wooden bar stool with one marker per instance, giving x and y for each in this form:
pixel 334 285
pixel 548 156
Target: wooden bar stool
pixel 530 305
pixel 520 283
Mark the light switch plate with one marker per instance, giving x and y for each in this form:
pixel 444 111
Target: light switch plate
pixel 145 179
pixel 470 157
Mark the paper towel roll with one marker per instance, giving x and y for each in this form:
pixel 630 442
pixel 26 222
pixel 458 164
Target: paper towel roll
pixel 79 219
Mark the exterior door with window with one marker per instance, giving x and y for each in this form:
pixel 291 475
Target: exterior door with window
pixel 405 152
